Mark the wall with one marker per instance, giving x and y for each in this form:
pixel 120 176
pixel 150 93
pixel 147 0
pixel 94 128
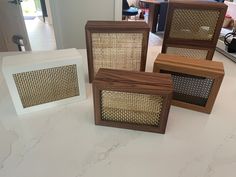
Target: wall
pixel 231 9
pixel 49 11
pixel 69 19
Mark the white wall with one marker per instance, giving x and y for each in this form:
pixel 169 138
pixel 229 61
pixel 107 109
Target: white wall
pixel 70 16
pixel 49 11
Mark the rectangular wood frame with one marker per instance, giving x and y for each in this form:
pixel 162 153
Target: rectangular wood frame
pixel 133 82
pixel 112 27
pixel 207 45
pixel 200 68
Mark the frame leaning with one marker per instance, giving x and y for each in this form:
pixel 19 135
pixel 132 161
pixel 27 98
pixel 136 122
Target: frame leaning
pixel 112 27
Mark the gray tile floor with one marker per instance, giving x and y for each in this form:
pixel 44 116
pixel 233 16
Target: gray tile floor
pixel 41 35
pixel 155 39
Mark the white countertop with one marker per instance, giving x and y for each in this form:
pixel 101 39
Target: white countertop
pixel 64 142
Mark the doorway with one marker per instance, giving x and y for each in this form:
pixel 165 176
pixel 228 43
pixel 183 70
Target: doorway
pixel 37 18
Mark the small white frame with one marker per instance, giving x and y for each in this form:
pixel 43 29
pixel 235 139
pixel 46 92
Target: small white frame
pixel 42 60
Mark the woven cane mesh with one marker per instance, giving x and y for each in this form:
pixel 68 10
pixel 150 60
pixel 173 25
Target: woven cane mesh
pixel 47 85
pixel 131 107
pixel 117 51
pixel 194 24
pixel 186 52
pixel 191 89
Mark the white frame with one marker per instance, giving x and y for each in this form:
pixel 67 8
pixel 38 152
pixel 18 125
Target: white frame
pixel 42 60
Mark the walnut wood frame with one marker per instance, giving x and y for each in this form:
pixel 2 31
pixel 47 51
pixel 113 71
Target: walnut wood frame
pixel 202 68
pixel 210 46
pixel 115 27
pixel 133 82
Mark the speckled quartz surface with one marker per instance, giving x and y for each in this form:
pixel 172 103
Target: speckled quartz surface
pixel 64 142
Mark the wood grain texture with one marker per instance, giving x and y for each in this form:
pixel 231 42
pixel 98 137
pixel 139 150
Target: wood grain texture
pixel 133 82
pixel 193 6
pixel 141 82
pixel 115 27
pixel 199 68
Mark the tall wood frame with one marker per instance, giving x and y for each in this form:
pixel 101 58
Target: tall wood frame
pixel 116 45
pixel 196 82
pixel 193 28
pixel 132 100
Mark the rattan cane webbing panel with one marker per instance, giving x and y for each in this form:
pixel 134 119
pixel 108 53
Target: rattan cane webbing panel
pixel 131 107
pixel 47 85
pixel 117 51
pixel 191 89
pixel 187 52
pixel 194 24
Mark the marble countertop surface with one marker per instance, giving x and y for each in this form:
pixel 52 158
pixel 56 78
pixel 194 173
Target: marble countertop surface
pixel 64 141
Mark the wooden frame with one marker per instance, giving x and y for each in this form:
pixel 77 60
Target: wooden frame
pixel 118 27
pixel 191 68
pixel 188 43
pixel 130 82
